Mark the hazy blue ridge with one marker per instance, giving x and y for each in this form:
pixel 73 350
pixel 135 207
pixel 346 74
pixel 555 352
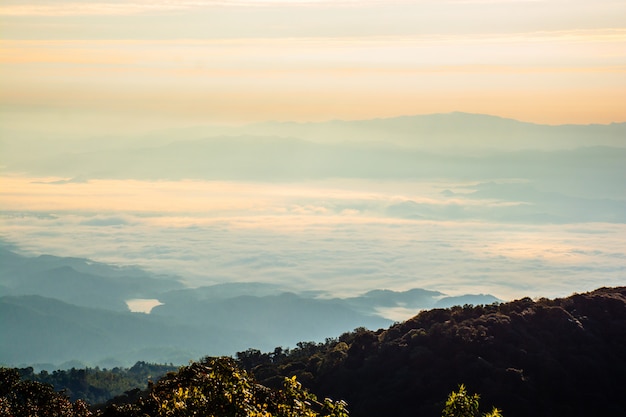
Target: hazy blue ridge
pixel 79 281
pixel 396 147
pixel 82 316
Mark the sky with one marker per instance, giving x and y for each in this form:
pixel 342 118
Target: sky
pixel 122 78
pixel 77 67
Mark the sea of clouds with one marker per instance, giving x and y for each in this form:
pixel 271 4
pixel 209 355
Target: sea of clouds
pixel 333 238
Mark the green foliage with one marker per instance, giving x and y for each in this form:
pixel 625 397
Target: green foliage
pixel 95 385
pixel 213 387
pixel 217 387
pixel 296 401
pixel 462 404
pixel 33 399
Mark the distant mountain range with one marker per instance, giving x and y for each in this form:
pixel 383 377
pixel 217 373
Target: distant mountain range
pixel 450 131
pixel 79 307
pixel 540 173
pixel 393 147
pixel 558 186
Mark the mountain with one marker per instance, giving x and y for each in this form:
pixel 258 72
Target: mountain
pixel 467 299
pixel 172 333
pixel 541 357
pixel 433 131
pixel 280 159
pixel 520 172
pixel 221 291
pixel 449 131
pixel 380 148
pixel 79 281
pixel 60 300
pixel 43 330
pixel 274 320
pixel 415 298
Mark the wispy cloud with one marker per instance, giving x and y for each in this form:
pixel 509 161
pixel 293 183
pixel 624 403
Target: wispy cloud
pixel 493 1
pixel 231 78
pixel 57 9
pixel 134 7
pixel 212 198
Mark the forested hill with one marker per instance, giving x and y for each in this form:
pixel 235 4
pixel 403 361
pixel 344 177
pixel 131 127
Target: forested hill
pixel 562 357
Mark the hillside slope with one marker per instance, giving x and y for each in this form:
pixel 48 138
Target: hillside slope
pixel 543 358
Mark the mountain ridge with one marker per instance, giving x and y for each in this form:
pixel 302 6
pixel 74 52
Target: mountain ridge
pixel 542 357
pixel 47 292
pixel 22 151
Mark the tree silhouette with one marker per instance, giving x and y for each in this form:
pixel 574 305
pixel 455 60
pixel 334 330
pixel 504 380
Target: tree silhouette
pixel 33 399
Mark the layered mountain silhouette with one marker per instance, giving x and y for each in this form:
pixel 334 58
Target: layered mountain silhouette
pixel 79 307
pixel 312 149
pixel 568 173
pixel 538 357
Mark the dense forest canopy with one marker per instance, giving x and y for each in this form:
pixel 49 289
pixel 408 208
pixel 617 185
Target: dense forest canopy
pixel 530 357
pixel 211 387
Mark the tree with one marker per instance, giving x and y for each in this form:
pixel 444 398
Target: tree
pixel 33 399
pixel 462 404
pixel 217 387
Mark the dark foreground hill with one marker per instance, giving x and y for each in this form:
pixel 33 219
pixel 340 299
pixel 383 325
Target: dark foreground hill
pixel 212 387
pixel 563 357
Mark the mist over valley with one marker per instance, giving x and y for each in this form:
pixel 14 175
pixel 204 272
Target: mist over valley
pixel 270 234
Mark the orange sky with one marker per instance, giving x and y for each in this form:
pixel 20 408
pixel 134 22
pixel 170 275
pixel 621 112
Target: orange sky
pixel 110 66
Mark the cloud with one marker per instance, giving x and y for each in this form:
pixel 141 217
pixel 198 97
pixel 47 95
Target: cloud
pixel 105 221
pixel 135 7
pixel 75 180
pixel 247 78
pixel 342 256
pixel 106 8
pixel 57 9
pixel 336 237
